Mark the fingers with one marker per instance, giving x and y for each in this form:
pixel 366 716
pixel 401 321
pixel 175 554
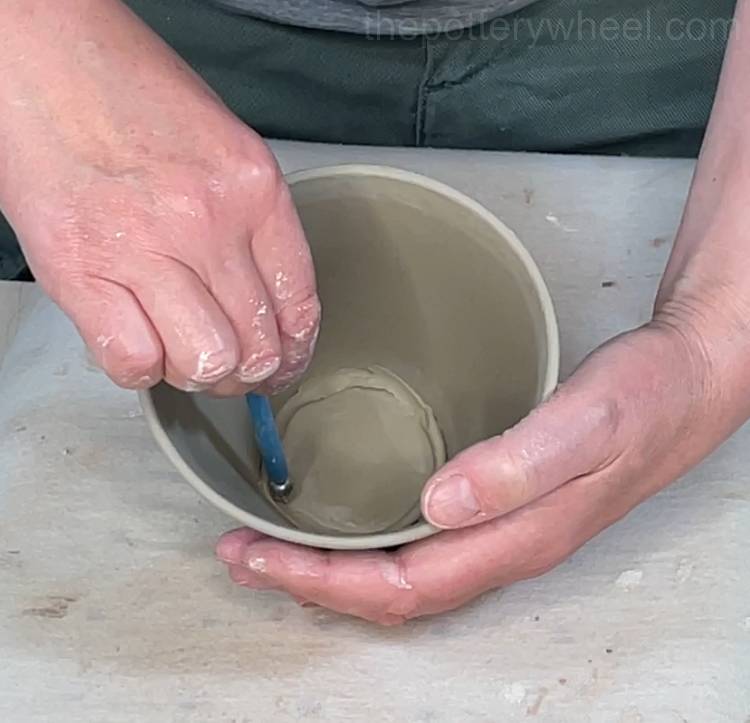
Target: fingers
pixel 241 293
pixel 230 547
pixel 569 436
pixel 231 544
pixel 361 584
pixel 118 333
pixel 283 259
pixel 432 576
pixel 247 578
pixel 376 586
pixel 199 342
pixel 250 317
pixel 241 328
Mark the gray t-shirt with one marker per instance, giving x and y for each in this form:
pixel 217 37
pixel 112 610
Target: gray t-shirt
pixel 377 17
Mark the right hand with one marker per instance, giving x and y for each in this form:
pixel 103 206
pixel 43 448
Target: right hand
pixel 157 220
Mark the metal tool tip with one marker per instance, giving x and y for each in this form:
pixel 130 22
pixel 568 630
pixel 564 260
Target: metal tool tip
pixel 280 490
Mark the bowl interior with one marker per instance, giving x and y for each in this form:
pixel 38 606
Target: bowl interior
pixel 412 278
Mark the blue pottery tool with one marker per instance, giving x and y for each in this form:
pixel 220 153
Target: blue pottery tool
pixel 269 445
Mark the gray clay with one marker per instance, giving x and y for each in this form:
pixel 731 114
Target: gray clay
pixel 360 444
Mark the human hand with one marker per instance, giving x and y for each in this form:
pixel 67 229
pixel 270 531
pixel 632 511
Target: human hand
pixel 158 222
pixel 636 415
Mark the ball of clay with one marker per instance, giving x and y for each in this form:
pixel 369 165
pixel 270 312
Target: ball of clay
pixel 360 445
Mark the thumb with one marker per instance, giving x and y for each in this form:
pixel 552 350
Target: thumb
pixel 569 436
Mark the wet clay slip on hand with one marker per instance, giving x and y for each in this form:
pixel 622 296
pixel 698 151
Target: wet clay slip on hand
pixel 438 331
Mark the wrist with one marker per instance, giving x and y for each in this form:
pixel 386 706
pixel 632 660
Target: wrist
pixel 708 325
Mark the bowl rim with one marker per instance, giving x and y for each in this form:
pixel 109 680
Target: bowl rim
pixel 423 529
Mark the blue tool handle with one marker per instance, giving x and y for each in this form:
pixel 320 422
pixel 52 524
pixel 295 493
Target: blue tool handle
pixel 268 440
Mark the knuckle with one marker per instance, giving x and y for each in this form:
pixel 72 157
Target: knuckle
pixel 607 415
pixel 604 423
pixel 500 477
pixel 511 483
pixel 301 320
pixel 257 173
pixel 300 324
pixel 406 605
pixel 406 602
pixel 544 555
pixel 133 367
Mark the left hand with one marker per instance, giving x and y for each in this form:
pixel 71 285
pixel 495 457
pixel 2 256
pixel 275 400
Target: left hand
pixel 638 413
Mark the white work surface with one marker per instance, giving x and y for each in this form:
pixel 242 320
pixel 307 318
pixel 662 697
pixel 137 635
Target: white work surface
pixel 113 608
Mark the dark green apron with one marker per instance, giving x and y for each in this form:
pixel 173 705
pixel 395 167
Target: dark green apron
pixel 632 77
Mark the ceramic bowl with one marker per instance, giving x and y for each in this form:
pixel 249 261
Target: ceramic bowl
pixel 415 277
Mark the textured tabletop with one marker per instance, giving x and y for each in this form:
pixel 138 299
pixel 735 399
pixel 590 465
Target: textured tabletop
pixel 112 607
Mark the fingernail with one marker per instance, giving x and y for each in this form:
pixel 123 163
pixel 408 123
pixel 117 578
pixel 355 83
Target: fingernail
pixel 212 366
pixel 301 322
pixel 451 502
pixel 230 550
pixel 257 371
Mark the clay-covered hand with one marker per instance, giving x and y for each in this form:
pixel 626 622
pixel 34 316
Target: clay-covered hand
pixel 637 414
pixel 157 220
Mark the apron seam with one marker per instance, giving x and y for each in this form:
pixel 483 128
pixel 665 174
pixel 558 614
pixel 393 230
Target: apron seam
pixel 423 92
